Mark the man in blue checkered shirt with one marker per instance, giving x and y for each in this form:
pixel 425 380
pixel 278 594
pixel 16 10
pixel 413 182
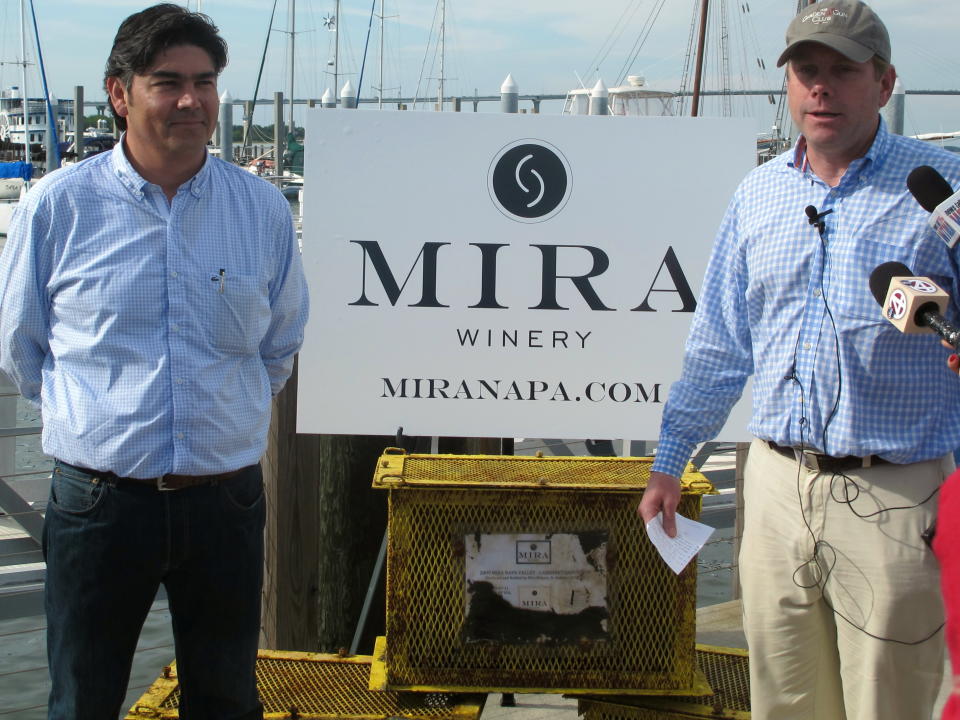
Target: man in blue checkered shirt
pixel 855 422
pixel 153 299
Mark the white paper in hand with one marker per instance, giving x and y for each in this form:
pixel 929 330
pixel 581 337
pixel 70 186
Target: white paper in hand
pixel 677 551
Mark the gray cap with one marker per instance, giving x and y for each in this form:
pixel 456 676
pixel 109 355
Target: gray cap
pixel 847 26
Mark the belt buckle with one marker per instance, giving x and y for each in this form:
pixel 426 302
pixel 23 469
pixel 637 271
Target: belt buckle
pixel 162 485
pixel 808 460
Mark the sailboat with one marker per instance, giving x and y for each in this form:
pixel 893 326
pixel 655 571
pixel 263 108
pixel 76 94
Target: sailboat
pixel 633 98
pixel 24 124
pixel 273 165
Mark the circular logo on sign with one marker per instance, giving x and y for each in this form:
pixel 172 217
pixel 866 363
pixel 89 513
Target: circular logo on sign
pixel 920 285
pixel 529 180
pixel 896 305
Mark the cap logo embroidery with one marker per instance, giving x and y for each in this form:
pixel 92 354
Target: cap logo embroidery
pixel 824 16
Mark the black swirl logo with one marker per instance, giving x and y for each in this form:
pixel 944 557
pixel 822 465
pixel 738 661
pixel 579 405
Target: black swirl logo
pixel 529 181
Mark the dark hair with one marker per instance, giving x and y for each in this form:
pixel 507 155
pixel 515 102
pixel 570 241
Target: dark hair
pixel 146 34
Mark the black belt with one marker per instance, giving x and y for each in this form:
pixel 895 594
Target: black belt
pixel 826 463
pixel 164 482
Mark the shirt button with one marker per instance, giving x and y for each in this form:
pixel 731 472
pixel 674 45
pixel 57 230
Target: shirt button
pixel 175 328
pixel 174 274
pixel 806 346
pixel 179 381
pixel 179 436
pixel 816 293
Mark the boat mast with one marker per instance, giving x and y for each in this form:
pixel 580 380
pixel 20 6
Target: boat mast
pixel 292 23
pixel 443 20
pixel 380 91
pixel 23 83
pixel 336 54
pixel 249 109
pixel 698 73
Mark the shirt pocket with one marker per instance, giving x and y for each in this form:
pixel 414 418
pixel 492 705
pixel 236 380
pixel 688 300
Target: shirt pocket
pixel 854 298
pixel 234 312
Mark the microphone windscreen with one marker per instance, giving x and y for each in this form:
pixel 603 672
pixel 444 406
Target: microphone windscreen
pixel 928 187
pixel 882 275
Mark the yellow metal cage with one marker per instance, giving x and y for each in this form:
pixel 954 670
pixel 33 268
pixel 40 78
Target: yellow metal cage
pixel 313 685
pixel 727 670
pixel 440 505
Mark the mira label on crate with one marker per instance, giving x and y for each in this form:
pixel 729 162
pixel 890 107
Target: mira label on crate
pixel 523 588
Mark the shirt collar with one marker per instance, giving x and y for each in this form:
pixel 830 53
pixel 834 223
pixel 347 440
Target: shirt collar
pixel 863 166
pixel 136 185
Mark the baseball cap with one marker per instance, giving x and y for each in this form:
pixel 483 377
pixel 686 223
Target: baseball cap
pixel 847 26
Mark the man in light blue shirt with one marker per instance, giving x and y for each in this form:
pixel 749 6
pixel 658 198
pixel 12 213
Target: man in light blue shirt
pixel 153 300
pixel 854 421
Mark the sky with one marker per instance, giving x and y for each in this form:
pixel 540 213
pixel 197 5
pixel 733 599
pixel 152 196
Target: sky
pixel 549 47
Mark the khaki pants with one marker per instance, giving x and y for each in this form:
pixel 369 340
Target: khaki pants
pixel 806 661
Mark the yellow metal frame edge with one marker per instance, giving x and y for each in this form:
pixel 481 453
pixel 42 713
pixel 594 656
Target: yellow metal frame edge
pixel 469 708
pixel 379 682
pixel 378 666
pixel 673 706
pixel 720 650
pixel 314 657
pixel 389 473
pixel 664 706
pixel 148 706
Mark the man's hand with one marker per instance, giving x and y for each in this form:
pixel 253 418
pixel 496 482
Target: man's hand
pixel 662 493
pixel 953 362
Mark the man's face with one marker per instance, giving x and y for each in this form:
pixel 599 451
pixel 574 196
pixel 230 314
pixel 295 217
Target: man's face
pixel 834 101
pixel 171 109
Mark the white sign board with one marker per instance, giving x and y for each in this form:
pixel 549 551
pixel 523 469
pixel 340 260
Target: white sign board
pixel 492 275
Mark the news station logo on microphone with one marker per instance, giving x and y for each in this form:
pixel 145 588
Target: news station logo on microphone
pixel 912 304
pixel 529 180
pixel 945 220
pixel 937 197
pixel 896 304
pixel 919 284
pixel 908 298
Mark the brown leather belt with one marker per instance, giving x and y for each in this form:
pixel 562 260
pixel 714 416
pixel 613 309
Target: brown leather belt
pixel 826 463
pixel 164 482
pixel 179 482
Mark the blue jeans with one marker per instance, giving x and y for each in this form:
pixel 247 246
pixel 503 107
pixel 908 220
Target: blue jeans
pixel 109 545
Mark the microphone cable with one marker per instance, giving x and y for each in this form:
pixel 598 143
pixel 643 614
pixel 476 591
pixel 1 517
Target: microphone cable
pixel 818 565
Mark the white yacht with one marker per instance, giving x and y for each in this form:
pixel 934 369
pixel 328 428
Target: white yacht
pixel 631 99
pixel 13 130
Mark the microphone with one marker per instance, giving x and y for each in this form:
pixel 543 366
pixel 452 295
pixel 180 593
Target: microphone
pixel 936 196
pixel 912 304
pixel 816 218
